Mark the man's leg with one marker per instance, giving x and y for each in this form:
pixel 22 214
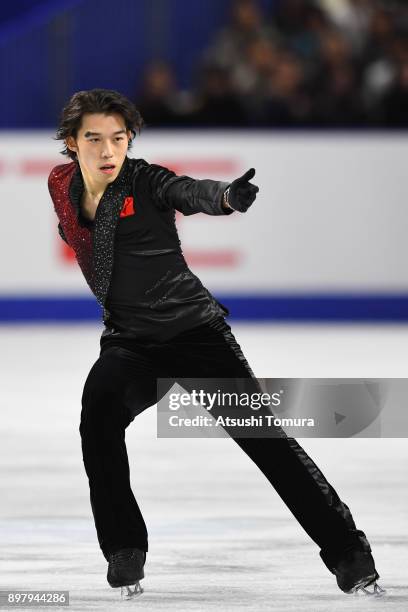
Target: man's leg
pixel 119 385
pixel 213 352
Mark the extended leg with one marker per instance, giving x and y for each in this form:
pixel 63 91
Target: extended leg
pixel 308 495
pixel 297 479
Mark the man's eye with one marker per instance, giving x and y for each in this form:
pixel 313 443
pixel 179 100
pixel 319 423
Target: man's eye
pixel 94 139
pixel 119 138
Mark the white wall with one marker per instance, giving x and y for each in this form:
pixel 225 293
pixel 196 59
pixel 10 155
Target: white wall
pixel 331 214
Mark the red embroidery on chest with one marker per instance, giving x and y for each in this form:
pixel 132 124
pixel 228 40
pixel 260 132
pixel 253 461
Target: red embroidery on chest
pixel 128 207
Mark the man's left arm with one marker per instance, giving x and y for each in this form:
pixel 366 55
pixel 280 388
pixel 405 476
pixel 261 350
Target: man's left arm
pixel 190 196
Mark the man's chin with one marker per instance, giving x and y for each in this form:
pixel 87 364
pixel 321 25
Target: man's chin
pixel 109 178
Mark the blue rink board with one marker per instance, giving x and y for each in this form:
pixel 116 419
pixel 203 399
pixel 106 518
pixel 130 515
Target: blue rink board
pixel 392 308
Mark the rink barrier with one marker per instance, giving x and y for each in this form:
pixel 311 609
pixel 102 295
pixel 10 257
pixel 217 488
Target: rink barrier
pixel 390 308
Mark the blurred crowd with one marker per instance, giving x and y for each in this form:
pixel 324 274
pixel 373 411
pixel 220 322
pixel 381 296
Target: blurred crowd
pixel 311 63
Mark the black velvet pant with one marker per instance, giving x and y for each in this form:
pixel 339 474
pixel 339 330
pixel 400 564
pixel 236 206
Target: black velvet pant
pixel 122 383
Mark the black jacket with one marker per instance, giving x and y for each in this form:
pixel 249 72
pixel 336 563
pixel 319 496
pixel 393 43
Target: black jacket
pixel 162 191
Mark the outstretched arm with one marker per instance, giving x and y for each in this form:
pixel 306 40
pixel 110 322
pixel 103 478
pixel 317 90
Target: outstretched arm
pixel 190 196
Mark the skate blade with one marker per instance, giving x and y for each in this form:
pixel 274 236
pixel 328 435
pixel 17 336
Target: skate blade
pixel 371 589
pixel 131 591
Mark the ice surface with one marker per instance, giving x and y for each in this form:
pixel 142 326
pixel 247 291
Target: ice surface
pixel 220 537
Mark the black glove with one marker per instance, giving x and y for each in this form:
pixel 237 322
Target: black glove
pixel 241 193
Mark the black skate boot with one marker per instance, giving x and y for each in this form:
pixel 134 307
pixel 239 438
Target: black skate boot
pixel 125 570
pixel 356 574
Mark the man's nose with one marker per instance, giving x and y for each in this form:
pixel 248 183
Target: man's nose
pixel 107 150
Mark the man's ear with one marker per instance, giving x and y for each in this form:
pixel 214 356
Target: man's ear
pixel 71 144
pixel 129 136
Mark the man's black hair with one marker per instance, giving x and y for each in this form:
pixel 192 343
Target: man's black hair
pixel 104 101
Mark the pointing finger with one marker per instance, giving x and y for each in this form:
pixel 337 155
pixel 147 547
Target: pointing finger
pixel 249 174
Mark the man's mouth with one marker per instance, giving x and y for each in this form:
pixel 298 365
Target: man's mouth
pixel 107 168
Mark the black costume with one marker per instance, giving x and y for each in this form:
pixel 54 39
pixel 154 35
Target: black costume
pixel 160 321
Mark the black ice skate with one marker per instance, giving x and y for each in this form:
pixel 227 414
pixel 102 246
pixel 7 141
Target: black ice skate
pixel 356 574
pixel 126 570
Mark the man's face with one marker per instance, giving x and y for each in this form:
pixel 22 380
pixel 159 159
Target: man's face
pixel 101 145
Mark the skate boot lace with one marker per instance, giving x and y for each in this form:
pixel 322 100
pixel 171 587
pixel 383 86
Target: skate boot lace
pixel 121 556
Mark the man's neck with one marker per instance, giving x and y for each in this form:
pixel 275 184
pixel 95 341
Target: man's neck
pixel 94 190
